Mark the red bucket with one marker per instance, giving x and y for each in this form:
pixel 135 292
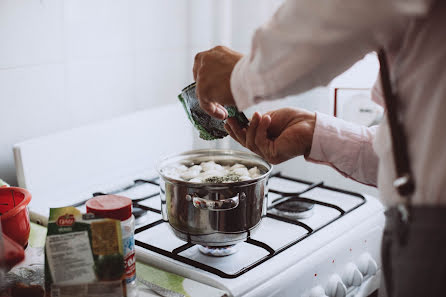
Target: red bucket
pixel 14 213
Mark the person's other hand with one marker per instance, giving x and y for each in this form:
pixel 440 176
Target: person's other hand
pixel 212 73
pixel 278 135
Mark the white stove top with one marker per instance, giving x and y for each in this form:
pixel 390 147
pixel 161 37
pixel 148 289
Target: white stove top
pixel 335 251
pixel 343 227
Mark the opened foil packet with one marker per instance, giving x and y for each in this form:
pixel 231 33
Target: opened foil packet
pixel 209 127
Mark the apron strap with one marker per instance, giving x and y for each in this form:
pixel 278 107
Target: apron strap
pixel 404 183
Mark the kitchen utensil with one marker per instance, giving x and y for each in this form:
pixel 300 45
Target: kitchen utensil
pixel 14 213
pixel 214 214
pixel 209 127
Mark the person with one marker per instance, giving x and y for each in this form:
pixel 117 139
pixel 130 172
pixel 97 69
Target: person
pixel 306 44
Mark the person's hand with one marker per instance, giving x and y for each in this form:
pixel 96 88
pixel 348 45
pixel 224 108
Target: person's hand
pixel 278 135
pixel 212 73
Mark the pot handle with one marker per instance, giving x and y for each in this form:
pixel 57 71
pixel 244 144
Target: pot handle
pixel 216 205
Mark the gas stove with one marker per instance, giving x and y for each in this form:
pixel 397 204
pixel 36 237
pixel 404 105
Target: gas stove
pixel 313 239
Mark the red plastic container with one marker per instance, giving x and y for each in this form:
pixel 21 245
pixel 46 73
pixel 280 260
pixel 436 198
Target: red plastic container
pixel 11 252
pixel 14 213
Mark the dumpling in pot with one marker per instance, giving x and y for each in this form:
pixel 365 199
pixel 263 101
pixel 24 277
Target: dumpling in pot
pixel 196 180
pixel 245 177
pixel 171 172
pixel 254 172
pixel 242 171
pixel 237 165
pixel 211 173
pixel 210 165
pixel 192 172
pixel 175 171
pixel 182 168
pixel 196 168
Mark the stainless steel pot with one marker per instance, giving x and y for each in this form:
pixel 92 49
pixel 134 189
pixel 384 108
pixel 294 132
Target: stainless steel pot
pixel 214 214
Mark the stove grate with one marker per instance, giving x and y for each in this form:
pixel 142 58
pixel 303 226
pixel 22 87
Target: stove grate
pixel 175 253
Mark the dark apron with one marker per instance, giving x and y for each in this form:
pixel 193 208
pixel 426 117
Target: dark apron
pixel 414 240
pixel 414 258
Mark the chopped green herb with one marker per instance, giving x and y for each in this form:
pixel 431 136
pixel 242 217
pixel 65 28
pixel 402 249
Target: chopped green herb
pixel 232 177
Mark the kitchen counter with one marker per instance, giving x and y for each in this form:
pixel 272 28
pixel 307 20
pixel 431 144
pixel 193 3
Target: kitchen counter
pixel 156 276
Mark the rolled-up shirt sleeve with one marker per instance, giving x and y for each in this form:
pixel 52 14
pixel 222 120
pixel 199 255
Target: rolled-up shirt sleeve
pixel 345 146
pixel 308 42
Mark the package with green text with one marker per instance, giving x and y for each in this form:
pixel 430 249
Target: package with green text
pixel 83 255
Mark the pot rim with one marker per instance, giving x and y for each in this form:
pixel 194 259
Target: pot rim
pixel 248 155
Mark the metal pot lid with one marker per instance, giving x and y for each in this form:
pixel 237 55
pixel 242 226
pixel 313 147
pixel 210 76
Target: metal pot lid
pixel 220 156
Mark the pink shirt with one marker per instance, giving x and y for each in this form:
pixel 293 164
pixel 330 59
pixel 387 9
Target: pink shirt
pixel 307 43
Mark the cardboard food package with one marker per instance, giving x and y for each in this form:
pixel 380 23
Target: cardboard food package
pixel 83 255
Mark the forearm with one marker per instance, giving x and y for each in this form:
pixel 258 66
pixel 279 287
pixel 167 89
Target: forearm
pixel 307 43
pixel 345 146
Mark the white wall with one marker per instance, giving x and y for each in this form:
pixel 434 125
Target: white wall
pixel 66 63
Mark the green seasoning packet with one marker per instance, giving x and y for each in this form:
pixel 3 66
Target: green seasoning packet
pixel 83 255
pixel 209 127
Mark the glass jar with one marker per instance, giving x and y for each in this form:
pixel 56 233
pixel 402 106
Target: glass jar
pixel 119 208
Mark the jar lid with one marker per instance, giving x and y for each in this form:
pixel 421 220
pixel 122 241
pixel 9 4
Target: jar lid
pixel 110 206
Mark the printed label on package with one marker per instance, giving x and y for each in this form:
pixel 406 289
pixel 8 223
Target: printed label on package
pixel 70 258
pixel 129 259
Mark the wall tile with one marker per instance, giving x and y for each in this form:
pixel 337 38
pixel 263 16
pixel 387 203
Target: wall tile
pixel 30 32
pixel 99 89
pixel 97 28
pixel 34 97
pixel 32 103
pixel 160 75
pixel 96 59
pixel 159 24
pixel 201 23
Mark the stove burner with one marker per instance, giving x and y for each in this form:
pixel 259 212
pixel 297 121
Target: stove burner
pixel 218 251
pixel 141 215
pixel 294 208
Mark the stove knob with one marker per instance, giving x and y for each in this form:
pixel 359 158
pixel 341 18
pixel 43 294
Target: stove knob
pixel 335 287
pixel 367 265
pixel 352 276
pixel 317 292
